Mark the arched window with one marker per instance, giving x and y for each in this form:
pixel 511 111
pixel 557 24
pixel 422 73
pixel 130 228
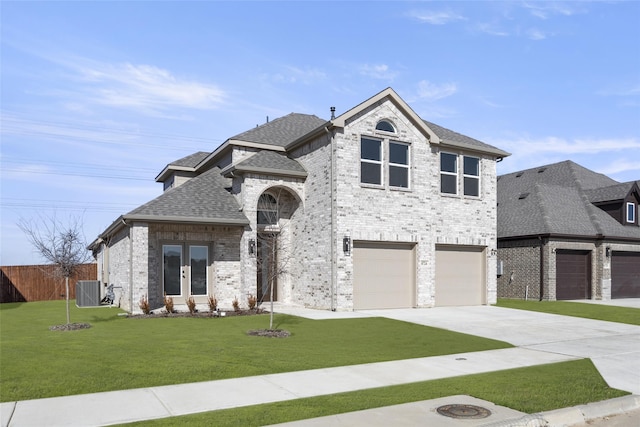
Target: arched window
pixel 267 210
pixel 385 126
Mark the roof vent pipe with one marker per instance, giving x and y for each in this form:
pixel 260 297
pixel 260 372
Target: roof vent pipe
pixel 333 112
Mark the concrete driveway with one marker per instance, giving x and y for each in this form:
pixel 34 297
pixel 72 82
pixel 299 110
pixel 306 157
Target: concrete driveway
pixel 614 348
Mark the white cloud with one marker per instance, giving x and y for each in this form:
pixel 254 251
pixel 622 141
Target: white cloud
pixel 536 34
pixel 621 165
pixel 492 29
pixel 436 17
pixel 596 154
pixel 629 90
pixel 146 88
pixel 543 10
pixel 555 145
pixel 432 91
pixel 378 71
pixel 293 74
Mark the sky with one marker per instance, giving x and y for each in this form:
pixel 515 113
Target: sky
pixel 98 97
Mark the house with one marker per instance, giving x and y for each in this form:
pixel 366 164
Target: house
pixel 374 208
pixel 566 232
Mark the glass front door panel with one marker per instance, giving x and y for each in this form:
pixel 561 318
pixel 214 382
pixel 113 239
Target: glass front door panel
pixel 199 260
pixel 172 266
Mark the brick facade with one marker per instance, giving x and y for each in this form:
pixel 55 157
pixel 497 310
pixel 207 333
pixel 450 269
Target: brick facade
pixel 327 206
pixel 522 267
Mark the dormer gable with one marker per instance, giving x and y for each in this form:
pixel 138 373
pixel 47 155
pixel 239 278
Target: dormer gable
pixel 181 170
pixel 620 201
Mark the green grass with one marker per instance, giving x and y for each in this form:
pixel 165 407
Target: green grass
pixel 119 353
pixel 529 390
pixel 577 309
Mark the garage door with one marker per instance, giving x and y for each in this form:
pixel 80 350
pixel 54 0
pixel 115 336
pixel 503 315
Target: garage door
pixel 625 275
pixel 573 274
pixel 384 275
pixel 460 276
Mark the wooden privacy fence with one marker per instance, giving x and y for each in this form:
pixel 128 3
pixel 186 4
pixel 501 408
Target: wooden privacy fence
pixel 21 283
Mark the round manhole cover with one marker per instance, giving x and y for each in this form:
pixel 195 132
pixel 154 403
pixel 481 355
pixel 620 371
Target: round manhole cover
pixel 464 411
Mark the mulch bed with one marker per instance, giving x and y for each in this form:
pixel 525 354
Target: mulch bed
pixel 230 313
pixel 271 333
pixel 70 327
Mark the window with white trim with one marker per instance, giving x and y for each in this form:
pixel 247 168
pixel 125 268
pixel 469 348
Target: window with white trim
pixel 385 126
pixel 448 173
pixel 631 213
pixel 370 161
pixel 398 164
pixel 466 176
pixel 471 176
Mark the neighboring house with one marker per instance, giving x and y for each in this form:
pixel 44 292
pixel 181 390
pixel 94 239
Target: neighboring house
pixel 375 208
pixel 565 232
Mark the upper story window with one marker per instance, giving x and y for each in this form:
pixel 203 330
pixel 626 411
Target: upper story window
pixel 385 126
pixel 471 178
pixel 370 161
pixel 631 213
pixel 398 164
pixel 450 174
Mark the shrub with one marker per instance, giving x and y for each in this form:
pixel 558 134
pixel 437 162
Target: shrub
pixel 252 301
pixel 144 305
pixel 191 304
pixel 168 304
pixel 236 304
pixel 213 303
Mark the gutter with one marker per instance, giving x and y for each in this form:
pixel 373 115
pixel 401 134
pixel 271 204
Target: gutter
pixel 570 236
pixel 120 223
pixel 263 171
pixel 483 150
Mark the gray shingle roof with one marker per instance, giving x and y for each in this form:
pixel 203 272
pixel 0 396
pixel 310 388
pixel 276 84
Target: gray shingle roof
pixel 282 131
pixel 552 200
pixel 190 161
pixel 449 136
pixel 201 199
pixel 612 192
pixel 265 161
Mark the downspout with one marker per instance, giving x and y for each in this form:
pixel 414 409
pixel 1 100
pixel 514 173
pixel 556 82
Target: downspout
pixel 130 267
pixel 333 239
pixel 541 267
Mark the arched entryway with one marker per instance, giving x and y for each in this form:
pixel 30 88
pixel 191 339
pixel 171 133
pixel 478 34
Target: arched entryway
pixel 275 214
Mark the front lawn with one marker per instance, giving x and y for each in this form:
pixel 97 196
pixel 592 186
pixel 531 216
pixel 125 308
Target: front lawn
pixel 577 309
pixel 120 353
pixel 529 390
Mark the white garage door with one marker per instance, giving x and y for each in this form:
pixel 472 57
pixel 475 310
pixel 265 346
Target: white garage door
pixel 460 276
pixel 384 275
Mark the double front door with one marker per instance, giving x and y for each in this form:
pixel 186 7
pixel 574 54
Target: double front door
pixel 185 269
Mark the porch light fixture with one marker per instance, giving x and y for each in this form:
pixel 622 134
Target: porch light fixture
pixel 607 252
pixel 346 245
pixel 252 246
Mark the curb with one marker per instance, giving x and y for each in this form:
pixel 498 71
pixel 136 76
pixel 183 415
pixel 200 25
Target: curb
pixel 575 415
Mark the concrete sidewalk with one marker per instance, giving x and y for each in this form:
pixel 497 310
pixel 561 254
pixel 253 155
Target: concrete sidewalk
pixel 167 401
pixel 541 339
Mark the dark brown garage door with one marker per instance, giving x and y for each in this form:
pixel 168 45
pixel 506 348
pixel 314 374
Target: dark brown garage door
pixel 625 275
pixel 573 274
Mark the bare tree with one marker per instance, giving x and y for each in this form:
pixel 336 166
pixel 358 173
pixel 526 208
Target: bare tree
pixel 274 254
pixel 59 243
